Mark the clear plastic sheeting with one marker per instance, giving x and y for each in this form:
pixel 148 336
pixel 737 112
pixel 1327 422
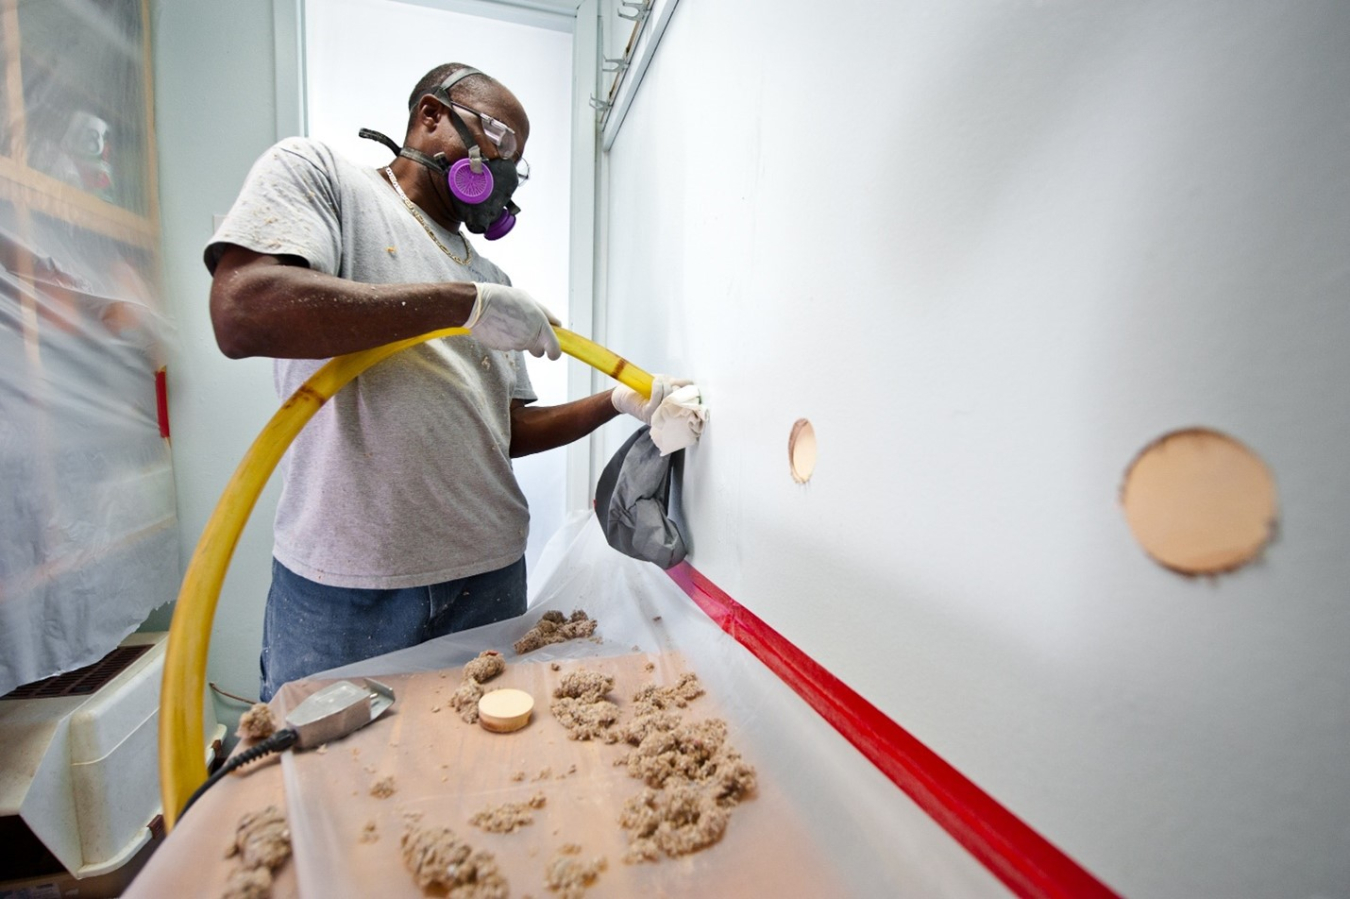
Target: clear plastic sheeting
pixel 88 531
pixel 823 820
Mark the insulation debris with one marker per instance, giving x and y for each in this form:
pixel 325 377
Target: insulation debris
pixel 654 708
pixel 580 707
pixel 383 788
pixel 508 816
pixel 477 672
pixel 554 628
pixel 248 883
pixel 436 857
pixel 568 875
pixel 262 843
pixel 488 665
pixel 257 723
pixel 261 839
pixel 653 698
pixel 697 753
pixel 584 685
pixel 465 699
pixel 677 820
pixel 693 776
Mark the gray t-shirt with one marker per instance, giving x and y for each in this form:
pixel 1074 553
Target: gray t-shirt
pixel 404 477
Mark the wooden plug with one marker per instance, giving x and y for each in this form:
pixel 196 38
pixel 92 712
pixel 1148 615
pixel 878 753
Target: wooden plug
pixel 502 711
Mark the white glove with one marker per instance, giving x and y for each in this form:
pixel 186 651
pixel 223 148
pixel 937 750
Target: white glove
pixel 507 318
pixel 628 400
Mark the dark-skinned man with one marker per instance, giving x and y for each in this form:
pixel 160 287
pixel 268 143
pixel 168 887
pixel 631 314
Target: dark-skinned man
pixel 400 518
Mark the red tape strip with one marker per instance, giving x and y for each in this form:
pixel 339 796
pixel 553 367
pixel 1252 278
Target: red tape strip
pixel 162 401
pixel 1026 862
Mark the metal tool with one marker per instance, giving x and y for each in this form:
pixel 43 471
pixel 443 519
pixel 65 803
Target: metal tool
pixel 337 710
pixel 332 712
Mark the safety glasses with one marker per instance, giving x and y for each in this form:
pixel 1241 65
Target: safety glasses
pixel 502 135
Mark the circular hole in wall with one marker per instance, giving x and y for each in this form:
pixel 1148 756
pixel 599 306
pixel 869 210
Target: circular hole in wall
pixel 802 450
pixel 1200 502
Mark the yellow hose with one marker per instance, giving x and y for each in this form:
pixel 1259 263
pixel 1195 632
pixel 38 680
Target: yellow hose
pixel 182 749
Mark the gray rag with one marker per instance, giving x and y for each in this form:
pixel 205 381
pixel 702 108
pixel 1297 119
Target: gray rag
pixel 632 502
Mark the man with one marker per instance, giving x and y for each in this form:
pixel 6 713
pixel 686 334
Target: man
pixel 400 518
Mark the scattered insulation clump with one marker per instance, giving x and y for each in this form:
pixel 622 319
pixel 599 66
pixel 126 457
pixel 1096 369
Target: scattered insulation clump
pixel 641 726
pixel 587 686
pixel 436 857
pixel 570 876
pixel 695 753
pixel 383 788
pixel 488 665
pixel 508 816
pixel 654 708
pixel 369 832
pixel 261 839
pixel 477 672
pixel 257 723
pixel 554 628
pixel 580 707
pixel 676 820
pixel 262 843
pixel 651 698
pixel 693 776
pixel 465 699
pixel 248 883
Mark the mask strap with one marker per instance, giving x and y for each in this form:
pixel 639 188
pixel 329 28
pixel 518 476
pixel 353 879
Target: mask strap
pixel 442 93
pixel 372 134
pixel 436 162
pixel 466 136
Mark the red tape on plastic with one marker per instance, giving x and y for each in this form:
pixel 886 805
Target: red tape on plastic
pixel 162 401
pixel 1022 859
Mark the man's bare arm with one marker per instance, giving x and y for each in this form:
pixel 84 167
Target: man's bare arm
pixel 274 306
pixel 538 428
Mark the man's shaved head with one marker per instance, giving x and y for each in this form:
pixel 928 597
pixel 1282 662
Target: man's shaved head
pixel 475 87
pixel 480 90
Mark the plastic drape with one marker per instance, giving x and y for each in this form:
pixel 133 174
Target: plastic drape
pixel 823 821
pixel 88 532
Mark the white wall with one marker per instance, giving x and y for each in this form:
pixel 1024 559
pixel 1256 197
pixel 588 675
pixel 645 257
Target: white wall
pixel 531 57
pixel 992 250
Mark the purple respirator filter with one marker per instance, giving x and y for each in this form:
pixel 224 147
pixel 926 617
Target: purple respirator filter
pixel 501 227
pixel 468 185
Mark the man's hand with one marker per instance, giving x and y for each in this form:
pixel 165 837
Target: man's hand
pixel 628 400
pixel 506 318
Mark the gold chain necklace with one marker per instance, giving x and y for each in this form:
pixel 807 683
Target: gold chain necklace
pixel 468 250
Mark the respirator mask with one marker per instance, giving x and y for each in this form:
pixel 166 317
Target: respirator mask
pixel 480 188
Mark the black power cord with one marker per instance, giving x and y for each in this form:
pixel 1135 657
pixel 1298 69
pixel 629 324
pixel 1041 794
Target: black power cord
pixel 279 741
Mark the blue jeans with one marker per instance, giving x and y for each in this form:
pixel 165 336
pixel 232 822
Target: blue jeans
pixel 310 627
